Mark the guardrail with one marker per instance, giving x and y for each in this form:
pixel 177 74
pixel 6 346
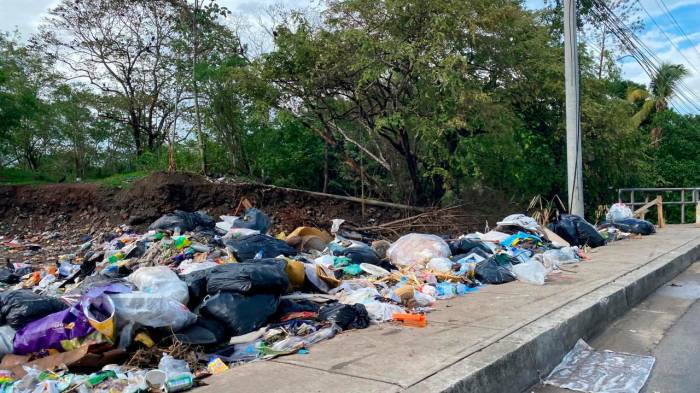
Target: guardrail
pixel 658 200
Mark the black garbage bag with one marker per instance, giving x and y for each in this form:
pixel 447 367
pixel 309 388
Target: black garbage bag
pixel 205 331
pixel 253 219
pixel 196 286
pixel 19 307
pixel 346 316
pixel 359 254
pixel 247 247
pixel 288 306
pixel 8 276
pixel 633 225
pixel 577 231
pixel 240 313
pixel 495 270
pixel 185 221
pixel 469 246
pixel 256 276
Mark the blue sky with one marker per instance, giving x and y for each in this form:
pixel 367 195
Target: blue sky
pixel 26 15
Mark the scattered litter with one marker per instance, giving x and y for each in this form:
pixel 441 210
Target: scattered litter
pixel 192 297
pixel 585 369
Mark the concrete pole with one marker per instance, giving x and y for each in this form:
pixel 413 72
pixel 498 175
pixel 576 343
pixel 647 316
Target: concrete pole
pixel 574 162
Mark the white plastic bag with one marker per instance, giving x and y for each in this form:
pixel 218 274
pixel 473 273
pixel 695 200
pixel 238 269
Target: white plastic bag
pixel 382 312
pixel 618 211
pixel 532 272
pixel 417 249
pixel 188 266
pixel 520 220
pixel 160 280
pixel 552 259
pixel 151 310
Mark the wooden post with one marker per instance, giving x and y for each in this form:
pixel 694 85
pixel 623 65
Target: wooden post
pixel 660 211
pixel 697 215
pixel 682 206
pixel 646 202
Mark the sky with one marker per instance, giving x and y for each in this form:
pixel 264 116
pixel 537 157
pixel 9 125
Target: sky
pixel 660 30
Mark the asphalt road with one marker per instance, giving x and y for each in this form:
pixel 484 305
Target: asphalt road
pixel 666 325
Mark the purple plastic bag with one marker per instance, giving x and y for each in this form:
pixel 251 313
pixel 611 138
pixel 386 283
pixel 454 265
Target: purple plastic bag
pixel 50 331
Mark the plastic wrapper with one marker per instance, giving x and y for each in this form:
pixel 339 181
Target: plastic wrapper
pixel 19 307
pixel 172 367
pixel 532 272
pixel 345 316
pixel 260 276
pixel 240 313
pixel 160 280
pixel 417 249
pixel 586 370
pixel 184 220
pixel 262 246
pixel 7 336
pixel 553 259
pixel 577 231
pixel 151 310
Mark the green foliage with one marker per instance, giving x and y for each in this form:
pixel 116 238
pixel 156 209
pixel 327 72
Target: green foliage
pixel 290 154
pixel 676 160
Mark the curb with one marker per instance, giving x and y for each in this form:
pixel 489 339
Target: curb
pixel 523 358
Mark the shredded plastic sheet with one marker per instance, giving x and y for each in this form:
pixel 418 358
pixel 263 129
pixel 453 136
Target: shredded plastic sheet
pixel 586 370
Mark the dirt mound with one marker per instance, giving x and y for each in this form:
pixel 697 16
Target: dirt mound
pixel 160 193
pixel 53 198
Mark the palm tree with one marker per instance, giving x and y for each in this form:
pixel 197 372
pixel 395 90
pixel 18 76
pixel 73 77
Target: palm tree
pixel 663 87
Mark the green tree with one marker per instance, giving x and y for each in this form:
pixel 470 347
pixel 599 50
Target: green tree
pixel 663 86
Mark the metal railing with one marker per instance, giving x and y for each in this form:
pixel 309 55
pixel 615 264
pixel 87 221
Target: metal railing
pixel 633 193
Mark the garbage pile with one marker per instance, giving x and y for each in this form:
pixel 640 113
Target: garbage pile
pixel 192 297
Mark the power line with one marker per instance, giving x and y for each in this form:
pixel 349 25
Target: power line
pixel 644 56
pixel 678 26
pixel 667 37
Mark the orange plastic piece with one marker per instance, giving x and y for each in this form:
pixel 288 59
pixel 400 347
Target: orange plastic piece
pixel 51 270
pixel 416 320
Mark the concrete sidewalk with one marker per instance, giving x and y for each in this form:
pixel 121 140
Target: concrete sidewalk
pixel 498 339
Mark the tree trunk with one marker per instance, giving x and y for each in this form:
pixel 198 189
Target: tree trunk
pixel 602 55
pixel 412 167
pixel 200 136
pixel 325 168
pixel 136 132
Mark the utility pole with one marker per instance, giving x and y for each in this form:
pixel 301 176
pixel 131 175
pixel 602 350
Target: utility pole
pixel 574 161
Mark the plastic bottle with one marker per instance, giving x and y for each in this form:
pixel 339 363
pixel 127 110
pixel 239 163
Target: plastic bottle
pixel 323 334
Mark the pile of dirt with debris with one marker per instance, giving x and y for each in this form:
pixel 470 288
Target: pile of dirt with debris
pixel 87 206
